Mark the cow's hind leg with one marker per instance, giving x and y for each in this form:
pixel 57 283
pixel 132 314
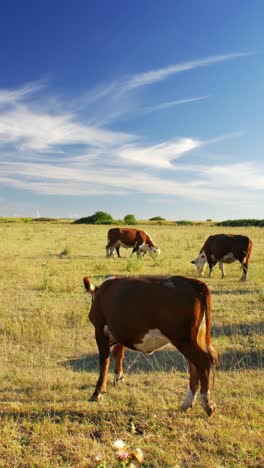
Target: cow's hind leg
pixel 245 270
pixel 205 392
pixel 118 353
pixel 221 266
pixel 104 361
pixel 192 390
pixel 202 361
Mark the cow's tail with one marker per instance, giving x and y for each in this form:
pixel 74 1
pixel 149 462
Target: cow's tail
pixel 206 295
pixel 248 253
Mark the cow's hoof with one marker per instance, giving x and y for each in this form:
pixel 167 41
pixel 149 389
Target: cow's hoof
pixel 184 408
pixel 211 409
pixel 118 379
pixel 96 397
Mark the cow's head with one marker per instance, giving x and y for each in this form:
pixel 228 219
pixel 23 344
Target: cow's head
pixel 200 262
pixel 152 249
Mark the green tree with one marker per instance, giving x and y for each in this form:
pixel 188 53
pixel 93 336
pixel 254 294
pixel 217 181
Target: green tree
pixel 130 219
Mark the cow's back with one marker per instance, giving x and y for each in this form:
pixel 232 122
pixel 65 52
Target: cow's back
pixel 132 306
pixel 221 244
pixel 125 235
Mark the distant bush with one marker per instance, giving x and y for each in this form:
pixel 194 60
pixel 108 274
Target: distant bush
pixel 130 219
pixel 242 222
pixel 41 220
pixel 99 217
pixel 183 222
pixel 157 218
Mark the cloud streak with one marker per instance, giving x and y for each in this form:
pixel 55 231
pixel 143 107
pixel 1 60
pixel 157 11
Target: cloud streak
pixel 154 76
pixel 167 105
pixel 10 97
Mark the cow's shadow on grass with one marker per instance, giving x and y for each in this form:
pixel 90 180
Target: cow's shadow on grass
pixel 233 292
pixel 168 361
pixel 244 329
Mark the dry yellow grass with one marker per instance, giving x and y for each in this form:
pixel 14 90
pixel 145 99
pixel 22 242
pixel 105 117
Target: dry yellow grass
pixel 49 364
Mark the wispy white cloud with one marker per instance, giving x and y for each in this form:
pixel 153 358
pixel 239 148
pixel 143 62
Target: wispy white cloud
pixel 157 156
pixel 114 98
pixel 153 76
pixel 9 97
pixel 56 180
pixel 167 105
pixel 247 175
pixel 38 131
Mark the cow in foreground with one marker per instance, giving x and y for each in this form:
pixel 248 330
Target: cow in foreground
pixel 224 248
pixel 139 240
pixel 146 313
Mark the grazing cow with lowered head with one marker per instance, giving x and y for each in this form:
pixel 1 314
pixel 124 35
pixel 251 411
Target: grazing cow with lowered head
pixel 144 314
pixel 139 240
pixel 224 248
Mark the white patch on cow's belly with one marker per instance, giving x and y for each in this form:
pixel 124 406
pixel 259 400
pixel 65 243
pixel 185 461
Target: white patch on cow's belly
pixel 228 258
pixel 120 244
pixel 153 340
pixel 107 332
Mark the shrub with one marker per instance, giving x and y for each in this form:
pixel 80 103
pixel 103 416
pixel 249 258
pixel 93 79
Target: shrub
pixel 183 222
pixel 157 218
pixel 99 217
pixel 242 222
pixel 130 219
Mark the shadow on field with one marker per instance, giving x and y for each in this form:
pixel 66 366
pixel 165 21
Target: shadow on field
pixel 168 361
pixel 135 362
pixel 233 292
pixel 239 360
pixel 244 329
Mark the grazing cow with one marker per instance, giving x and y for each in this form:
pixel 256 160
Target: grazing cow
pixel 139 240
pixel 224 248
pixel 144 314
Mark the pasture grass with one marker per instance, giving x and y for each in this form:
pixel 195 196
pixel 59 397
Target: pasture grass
pixel 49 357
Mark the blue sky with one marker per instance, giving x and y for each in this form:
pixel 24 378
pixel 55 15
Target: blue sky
pixel 144 107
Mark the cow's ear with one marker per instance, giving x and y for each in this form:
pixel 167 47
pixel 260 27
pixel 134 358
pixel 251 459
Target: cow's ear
pixel 89 286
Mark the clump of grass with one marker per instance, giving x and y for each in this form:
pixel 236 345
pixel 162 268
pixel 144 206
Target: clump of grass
pixel 45 278
pixel 65 253
pixel 261 294
pixel 134 264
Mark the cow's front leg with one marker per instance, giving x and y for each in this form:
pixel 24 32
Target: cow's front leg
pixel 117 251
pixel 192 390
pixel 104 361
pixel 211 266
pixel 118 353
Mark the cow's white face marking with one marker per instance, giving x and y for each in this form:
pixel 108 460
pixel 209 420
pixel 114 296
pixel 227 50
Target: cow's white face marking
pixel 152 341
pixel 200 262
pixel 228 258
pixel 148 248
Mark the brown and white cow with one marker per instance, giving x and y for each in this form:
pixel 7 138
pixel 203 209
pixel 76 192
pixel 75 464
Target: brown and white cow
pixel 224 248
pixel 139 240
pixel 144 314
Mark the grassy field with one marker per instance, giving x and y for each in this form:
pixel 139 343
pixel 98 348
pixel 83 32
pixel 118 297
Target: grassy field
pixel 49 364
